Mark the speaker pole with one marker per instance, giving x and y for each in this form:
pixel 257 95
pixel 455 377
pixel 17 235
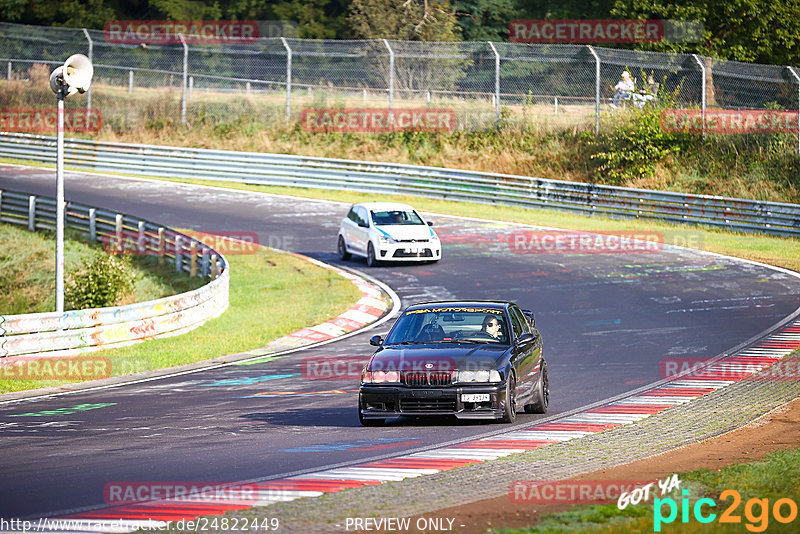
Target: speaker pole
pixel 60 204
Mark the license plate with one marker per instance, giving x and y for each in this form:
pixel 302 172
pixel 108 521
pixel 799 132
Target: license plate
pixel 474 397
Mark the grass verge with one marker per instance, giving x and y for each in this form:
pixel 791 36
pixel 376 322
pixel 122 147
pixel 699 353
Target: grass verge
pixel 271 294
pixel 27 271
pixel 765 482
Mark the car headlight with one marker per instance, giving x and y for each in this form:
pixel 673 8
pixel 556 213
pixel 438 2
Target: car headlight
pixel 380 377
pixel 478 376
pixel 386 239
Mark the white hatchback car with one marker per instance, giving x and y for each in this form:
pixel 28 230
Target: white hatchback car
pixel 386 231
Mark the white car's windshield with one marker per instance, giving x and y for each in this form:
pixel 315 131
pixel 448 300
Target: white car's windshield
pixel 382 218
pixel 450 325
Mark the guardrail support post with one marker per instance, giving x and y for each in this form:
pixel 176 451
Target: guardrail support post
pixel 185 76
pixel 289 79
pixel 193 259
pixel 596 89
pixel 8 76
pixel 162 245
pixel 89 92
pixel 178 250
pixel 391 76
pixel 32 213
pixel 141 243
pixel 496 82
pixel 703 86
pixel 796 77
pixel 214 267
pixel 204 263
pixel 191 87
pixel 130 81
pixel 118 231
pixel 92 224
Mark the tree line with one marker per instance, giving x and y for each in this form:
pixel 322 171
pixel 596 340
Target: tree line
pixel 762 31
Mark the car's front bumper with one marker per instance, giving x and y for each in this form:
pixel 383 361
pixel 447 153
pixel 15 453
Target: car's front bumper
pixel 416 251
pixel 381 402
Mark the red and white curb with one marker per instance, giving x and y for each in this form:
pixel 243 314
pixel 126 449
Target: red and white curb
pixel 717 375
pixel 370 307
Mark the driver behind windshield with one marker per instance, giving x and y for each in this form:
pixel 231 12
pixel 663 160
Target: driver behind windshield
pixel 491 326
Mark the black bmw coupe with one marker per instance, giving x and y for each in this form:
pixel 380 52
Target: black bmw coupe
pixel 474 360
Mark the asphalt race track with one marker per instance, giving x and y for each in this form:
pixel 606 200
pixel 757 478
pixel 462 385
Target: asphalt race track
pixel 608 321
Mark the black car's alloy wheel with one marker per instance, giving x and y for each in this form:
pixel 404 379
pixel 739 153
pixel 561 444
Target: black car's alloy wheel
pixel 541 396
pixel 510 408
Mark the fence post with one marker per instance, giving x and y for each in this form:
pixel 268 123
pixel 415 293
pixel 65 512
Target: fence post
pixel 596 89
pixel 703 86
pixel 178 258
pixel 32 213
pixel 555 104
pixel 89 91
pixel 496 82
pixel 185 76
pixel 214 267
pixel 288 78
pixel 8 76
pixel 141 243
pixel 193 259
pixel 796 77
pixel 162 245
pixel 118 231
pixel 391 75
pixel 130 81
pixel 204 263
pixel 92 224
pixel 191 87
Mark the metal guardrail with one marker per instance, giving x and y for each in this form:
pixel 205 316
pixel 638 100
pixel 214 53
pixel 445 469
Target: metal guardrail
pixel 392 178
pixel 79 331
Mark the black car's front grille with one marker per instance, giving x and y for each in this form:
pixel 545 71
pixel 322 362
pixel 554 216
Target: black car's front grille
pixel 427 405
pixel 401 253
pixel 427 378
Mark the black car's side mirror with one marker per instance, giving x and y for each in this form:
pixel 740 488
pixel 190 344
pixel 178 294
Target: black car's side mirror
pixel 430 223
pixel 376 341
pixel 524 339
pixel 529 315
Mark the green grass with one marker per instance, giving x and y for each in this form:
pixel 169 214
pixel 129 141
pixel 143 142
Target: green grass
pixel 271 294
pixel 775 477
pixel 27 271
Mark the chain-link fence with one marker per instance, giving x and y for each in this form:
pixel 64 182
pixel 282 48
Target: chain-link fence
pixel 271 80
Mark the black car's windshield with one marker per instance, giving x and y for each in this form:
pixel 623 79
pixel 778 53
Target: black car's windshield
pixel 450 324
pixel 382 218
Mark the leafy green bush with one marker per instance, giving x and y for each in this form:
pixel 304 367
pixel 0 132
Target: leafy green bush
pixel 635 143
pixel 101 281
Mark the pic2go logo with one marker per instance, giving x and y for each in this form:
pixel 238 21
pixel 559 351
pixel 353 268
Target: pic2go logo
pixel 756 511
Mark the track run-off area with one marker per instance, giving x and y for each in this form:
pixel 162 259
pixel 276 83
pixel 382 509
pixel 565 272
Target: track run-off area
pixel 609 323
